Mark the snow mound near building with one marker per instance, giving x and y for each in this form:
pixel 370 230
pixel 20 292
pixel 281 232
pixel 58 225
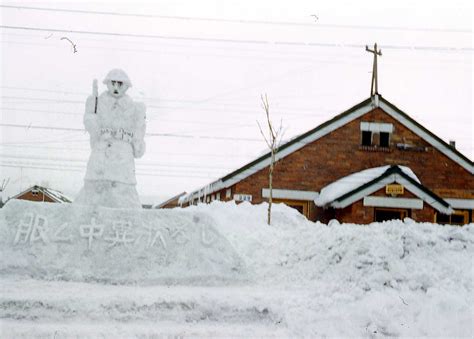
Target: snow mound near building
pixel 74 242
pixel 294 250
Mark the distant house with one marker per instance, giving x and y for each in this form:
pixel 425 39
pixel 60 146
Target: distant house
pixel 43 194
pixel 171 202
pixel 372 162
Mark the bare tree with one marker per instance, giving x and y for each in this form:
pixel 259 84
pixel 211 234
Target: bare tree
pixel 272 140
pixel 3 185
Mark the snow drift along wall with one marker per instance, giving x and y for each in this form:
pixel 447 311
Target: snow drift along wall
pixel 72 242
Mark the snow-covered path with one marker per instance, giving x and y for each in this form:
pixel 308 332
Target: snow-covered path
pixel 36 308
pixel 33 308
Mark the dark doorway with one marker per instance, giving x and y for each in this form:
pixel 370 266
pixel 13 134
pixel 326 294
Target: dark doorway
pixel 389 214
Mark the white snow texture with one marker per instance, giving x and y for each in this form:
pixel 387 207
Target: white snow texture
pixel 240 277
pixel 116 126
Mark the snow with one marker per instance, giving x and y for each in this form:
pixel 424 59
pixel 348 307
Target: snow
pixel 116 126
pixel 291 279
pixel 57 195
pixel 348 183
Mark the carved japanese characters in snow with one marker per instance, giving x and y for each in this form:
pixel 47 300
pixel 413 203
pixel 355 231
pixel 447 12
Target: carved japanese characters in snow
pixel 116 125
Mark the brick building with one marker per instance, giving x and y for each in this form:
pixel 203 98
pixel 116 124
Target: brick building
pixel 43 194
pixel 370 163
pixel 171 202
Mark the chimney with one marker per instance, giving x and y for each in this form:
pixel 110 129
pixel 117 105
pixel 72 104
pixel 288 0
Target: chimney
pixel 452 144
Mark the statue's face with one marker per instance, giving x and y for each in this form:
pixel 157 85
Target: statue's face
pixel 116 88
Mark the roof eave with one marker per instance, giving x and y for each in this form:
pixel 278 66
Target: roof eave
pixel 437 202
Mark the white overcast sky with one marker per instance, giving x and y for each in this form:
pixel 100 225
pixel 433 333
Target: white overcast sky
pixel 201 66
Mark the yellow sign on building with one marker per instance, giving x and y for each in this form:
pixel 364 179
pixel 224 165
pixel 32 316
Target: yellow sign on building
pixel 394 189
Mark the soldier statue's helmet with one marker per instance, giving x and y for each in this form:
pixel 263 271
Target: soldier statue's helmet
pixel 117 75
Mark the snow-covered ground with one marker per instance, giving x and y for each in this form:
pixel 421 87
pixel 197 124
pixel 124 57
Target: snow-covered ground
pixel 229 274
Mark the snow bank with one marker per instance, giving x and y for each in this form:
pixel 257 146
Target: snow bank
pixel 74 242
pixel 397 278
pixel 293 249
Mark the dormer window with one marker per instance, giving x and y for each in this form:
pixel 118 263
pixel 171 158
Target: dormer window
pixel 366 138
pixel 384 139
pixel 375 134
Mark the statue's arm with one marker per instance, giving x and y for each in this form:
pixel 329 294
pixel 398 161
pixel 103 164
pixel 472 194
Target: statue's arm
pixel 138 142
pixel 90 118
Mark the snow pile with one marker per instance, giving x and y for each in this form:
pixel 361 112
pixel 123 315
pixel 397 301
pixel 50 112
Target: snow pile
pixel 74 242
pixel 389 254
pixel 397 278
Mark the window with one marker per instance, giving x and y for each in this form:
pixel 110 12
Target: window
pixel 456 218
pixel 384 139
pixel 376 134
pixel 366 138
pixel 383 214
pixel 228 193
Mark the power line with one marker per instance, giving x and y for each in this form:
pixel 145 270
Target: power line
pixel 44 90
pixel 179 154
pixel 42 99
pixel 235 41
pixel 38 110
pixel 241 21
pixel 82 167
pixel 147 134
pixel 83 161
pixel 161 120
pixel 280 55
pixel 81 170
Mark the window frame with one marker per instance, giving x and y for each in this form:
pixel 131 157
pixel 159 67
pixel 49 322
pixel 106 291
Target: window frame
pixel 375 128
pixel 388 139
pixel 464 213
pixel 362 138
pixel 404 212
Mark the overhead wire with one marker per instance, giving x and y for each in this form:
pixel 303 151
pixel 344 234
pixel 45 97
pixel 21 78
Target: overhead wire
pixel 168 154
pixel 241 21
pixel 61 169
pixel 237 41
pixel 149 134
pixel 140 163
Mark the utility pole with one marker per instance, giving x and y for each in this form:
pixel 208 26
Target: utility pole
pixel 374 89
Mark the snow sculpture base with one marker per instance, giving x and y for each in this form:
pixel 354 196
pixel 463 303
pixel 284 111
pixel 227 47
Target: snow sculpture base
pixel 83 243
pixel 108 194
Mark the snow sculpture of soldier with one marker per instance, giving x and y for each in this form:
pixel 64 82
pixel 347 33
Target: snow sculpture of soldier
pixel 116 125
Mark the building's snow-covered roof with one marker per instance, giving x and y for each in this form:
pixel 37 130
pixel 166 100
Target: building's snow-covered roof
pixel 55 195
pixel 164 203
pixel 348 183
pixel 356 186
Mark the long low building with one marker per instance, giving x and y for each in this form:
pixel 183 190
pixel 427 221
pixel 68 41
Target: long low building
pixel 372 162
